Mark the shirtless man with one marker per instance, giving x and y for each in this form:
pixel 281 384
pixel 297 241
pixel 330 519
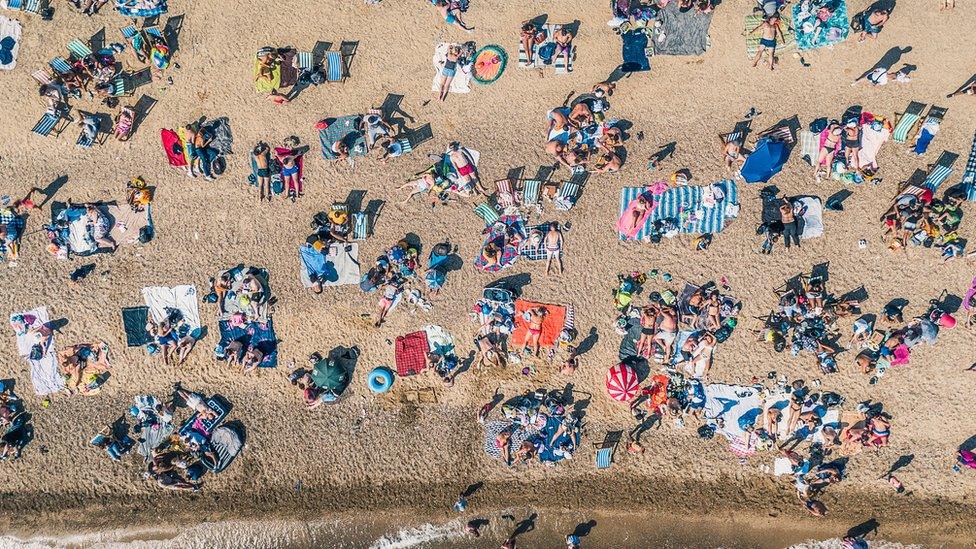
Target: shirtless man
pixel 262 160
pixel 767 41
pixel 648 324
pixel 467 174
pixel 536 317
pixel 667 331
pixel 564 45
pixel 581 115
pixel 791 229
pixel 695 303
pixel 553 243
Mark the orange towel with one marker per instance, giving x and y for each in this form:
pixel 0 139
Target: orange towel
pixel 551 325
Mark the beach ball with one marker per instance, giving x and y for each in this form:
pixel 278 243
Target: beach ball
pixel 947 320
pixel 622 383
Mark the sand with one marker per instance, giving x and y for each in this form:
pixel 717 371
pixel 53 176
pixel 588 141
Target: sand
pixel 372 453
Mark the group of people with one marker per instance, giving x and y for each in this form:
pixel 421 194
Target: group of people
pixel 14 423
pixel 282 162
pixel 921 219
pixel 581 137
pixel 535 425
pixel 390 276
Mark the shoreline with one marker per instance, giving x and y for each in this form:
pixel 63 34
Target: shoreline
pixel 760 515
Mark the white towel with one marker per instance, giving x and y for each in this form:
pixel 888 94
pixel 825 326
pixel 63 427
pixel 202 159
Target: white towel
pixel 732 403
pixel 182 298
pixel 10 28
pixel 44 372
pixel 782 466
pixel 462 75
pixel 346 264
pixel 78 236
pixel 813 217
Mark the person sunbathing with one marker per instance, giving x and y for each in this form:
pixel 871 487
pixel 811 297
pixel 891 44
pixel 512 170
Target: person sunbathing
pixel 879 429
pixel 648 329
pixel 422 185
pixel 580 115
pixel 535 318
pixel 771 29
pixel 448 71
pixel 101 228
pixel 451 14
pixel 637 213
pixel 825 157
pixel 81 360
pixel 667 332
pixel 289 175
pixel 872 22
pixel 253 289
pixel 733 156
pixel 262 161
pixel 797 397
pixel 563 38
pixel 503 442
pixel 852 144
pixel 466 172
pixel 713 305
pixel 489 353
pixel 252 358
pixel 968 89
pixel 530 37
pixel 553 243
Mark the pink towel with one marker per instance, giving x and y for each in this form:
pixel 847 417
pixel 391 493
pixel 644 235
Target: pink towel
pixel 623 224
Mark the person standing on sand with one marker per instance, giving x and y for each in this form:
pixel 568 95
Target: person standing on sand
pixel 554 248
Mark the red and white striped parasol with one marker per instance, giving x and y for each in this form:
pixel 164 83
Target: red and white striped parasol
pixel 622 383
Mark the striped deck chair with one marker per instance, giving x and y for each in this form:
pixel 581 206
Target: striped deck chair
pixel 335 67
pixel 809 146
pixel 530 193
pixel 604 450
pixel 487 213
pixel 569 193
pixel 735 136
pixel 154 31
pixel 559 62
pixel 129 32
pixel 42 76
pixel 46 124
pixel 505 196
pixel 304 61
pixel 120 87
pixel 360 226
pixel 940 171
pixel 79 49
pixel 60 65
pixel 32 6
pixel 570 323
pixel 907 120
pixel 969 175
pixel 84 143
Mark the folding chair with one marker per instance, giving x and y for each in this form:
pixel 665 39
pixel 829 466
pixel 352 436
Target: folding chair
pixel 569 193
pixel 47 124
pixel 129 32
pixel 42 76
pixel 935 114
pixel 487 213
pixel 84 143
pixel 15 4
pixel 120 87
pixel 360 226
pixel 907 120
pixel 604 450
pixel 504 196
pixel 154 31
pixel 60 65
pixel 530 193
pixel 79 49
pixel 335 68
pixel 940 170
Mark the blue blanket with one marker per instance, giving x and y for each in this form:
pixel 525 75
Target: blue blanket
pixel 635 52
pixel 260 335
pixel 317 264
pixel 811 33
pixel 566 441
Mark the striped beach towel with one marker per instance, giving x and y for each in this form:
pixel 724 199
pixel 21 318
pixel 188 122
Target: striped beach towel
pixel 559 60
pixel 752 40
pixel 969 175
pixel 907 121
pixel 685 205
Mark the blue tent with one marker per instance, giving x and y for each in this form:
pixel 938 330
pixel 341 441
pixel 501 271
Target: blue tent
pixel 766 161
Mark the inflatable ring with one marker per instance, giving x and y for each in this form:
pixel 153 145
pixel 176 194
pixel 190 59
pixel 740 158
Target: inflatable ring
pixel 380 379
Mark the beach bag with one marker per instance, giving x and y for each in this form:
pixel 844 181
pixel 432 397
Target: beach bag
pixel 547 52
pixel 818 125
pixel 146 234
pixel 218 166
pixel 36 352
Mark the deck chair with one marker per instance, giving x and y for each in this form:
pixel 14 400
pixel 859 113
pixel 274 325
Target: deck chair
pixel 42 76
pixel 60 65
pixel 84 143
pixel 569 193
pixel 935 115
pixel 360 226
pixel 969 174
pixel 48 124
pixel 530 193
pixel 129 32
pixel 604 450
pixel 940 170
pixel 907 121
pixel 79 49
pixel 335 67
pixel 487 213
pixel 505 196
pixel 304 61
pixel 120 87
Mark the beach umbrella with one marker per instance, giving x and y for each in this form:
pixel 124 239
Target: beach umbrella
pixel 765 162
pixel 489 64
pixel 330 375
pixel 622 382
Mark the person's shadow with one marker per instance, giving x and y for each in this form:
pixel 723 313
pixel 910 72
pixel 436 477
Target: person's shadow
pixel 583 529
pixel 888 60
pixel 525 526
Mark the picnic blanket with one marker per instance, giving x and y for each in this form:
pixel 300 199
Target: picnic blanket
pixel 258 334
pixel 462 76
pixel 141 8
pixel 410 353
pixel 338 267
pixel 681 32
pixel 343 129
pixel 232 298
pixel 519 435
pixel 223 139
pixel 182 298
pixel 634 51
pixel 752 40
pixel 811 35
pixel 554 450
pixel 134 321
pixel 812 218
pixel 264 85
pixel 544 54
pixel 44 371
pixel 533 247
pixel 9 43
pixel 508 244
pixel 127 224
pixel 738 406
pixel 690 206
pixel 552 324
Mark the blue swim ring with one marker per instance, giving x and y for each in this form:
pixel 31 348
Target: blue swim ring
pixel 380 379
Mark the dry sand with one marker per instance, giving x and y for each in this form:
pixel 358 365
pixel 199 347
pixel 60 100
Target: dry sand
pixel 410 458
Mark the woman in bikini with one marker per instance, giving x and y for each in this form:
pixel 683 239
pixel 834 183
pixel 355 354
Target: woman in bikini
pixel 536 317
pixel 648 329
pixel 831 144
pixel 530 37
pixel 733 155
pixel 852 144
pixel 878 432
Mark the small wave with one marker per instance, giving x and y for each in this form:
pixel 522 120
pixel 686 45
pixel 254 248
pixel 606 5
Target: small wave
pixel 418 535
pixel 839 544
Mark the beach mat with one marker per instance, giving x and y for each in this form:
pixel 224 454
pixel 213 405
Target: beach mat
pixel 134 321
pixel 344 129
pixel 685 33
pixel 462 76
pixel 182 298
pixel 832 31
pixel 752 40
pixel 552 324
pixel 411 353
pixel 337 268
pixel 634 52
pixel 44 371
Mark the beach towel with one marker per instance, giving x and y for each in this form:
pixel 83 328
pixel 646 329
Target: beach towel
pixel 782 466
pixel 182 298
pixel 634 52
pixel 871 142
pixel 173 147
pixel 462 75
pixel 141 8
pixel 812 218
pixel 810 35
pixel 439 340
pixel 226 443
pixel 150 438
pixel 969 175
pixel 134 321
pixel 127 224
pixel 519 435
pixel 681 32
pixel 259 334
pixel 264 85
pixel 552 324
pixel 535 251
pixel 809 146
pixel 343 129
pixel 223 139
pixel 232 300
pixel 686 204
pixel 553 450
pixel 339 267
pixel 628 203
pixel 44 371
pixel 507 234
pixel 410 353
pixel 9 43
pixel 737 405
pixel 752 40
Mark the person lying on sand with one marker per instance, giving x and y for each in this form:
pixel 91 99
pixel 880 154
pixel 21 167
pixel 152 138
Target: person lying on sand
pixel 770 30
pixel 466 171
pixel 536 316
pixel 422 185
pixel 451 14
pixel 553 243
